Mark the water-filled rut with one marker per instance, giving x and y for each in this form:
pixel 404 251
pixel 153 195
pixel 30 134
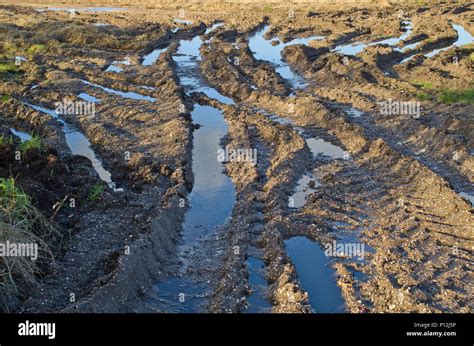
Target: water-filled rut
pixel 212 198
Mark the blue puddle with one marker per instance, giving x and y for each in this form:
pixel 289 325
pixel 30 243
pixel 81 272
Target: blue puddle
pixel 88 98
pixel 116 65
pixel 468 197
pixel 151 58
pixel 212 198
pixel 256 301
pixel 464 37
pixel 187 59
pixel 213 27
pixel 313 266
pixel 23 136
pixel 178 295
pixel 114 68
pixel 182 21
pixel 319 146
pixel 80 145
pixel 352 49
pixel 306 185
pixel 356 48
pixel 263 49
pixel 315 275
pixel 355 113
pixel 128 95
pixel 211 202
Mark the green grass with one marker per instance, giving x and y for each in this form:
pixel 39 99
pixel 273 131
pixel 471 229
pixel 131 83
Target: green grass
pixel 5 98
pixel 36 48
pixel 423 85
pixel 14 198
pixel 16 207
pixel 21 223
pixel 34 143
pixel 446 96
pixel 471 57
pixel 450 96
pixel 422 96
pixel 6 140
pixel 8 67
pixel 96 192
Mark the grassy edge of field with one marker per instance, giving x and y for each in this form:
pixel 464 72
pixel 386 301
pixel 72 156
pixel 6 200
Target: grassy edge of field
pixel 20 223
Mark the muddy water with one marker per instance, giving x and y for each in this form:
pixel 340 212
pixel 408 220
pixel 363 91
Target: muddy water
pixel 256 302
pixel 305 187
pixel 129 94
pixel 355 113
pixel 308 183
pixel 263 49
pixel 89 98
pixel 468 197
pixel 80 145
pixel 356 48
pixel 213 27
pixel 23 136
pixel 212 198
pixel 312 265
pixel 319 146
pixel 152 57
pixel 211 202
pixel 187 59
pixel 315 275
pixel 182 21
pixel 464 37
pixel 116 66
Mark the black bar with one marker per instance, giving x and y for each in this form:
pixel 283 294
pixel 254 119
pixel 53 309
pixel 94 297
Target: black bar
pixel 291 329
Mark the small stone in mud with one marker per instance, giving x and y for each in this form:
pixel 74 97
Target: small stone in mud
pixel 165 170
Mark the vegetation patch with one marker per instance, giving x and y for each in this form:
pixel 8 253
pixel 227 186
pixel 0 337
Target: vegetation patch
pixel 23 229
pixel 36 48
pixel 423 85
pixel 450 96
pixel 34 143
pixel 5 98
pixel 423 96
pixel 8 67
pixel 96 192
pixel 6 140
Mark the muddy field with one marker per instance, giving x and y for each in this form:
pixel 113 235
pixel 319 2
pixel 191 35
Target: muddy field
pixel 265 160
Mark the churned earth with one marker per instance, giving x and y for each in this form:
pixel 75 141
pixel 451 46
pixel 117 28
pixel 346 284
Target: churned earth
pixel 353 191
